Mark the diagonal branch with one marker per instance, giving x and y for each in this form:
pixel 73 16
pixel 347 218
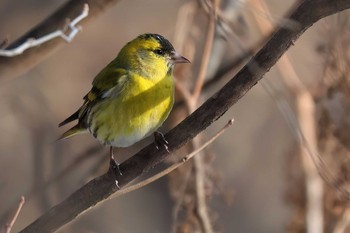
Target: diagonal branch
pixel 101 188
pixel 11 67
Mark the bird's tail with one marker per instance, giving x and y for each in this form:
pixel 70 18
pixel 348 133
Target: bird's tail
pixel 72 132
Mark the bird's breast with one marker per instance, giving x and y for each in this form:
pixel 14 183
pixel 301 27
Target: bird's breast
pixel 138 111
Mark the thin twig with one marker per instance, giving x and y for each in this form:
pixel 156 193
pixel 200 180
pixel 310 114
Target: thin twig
pixel 191 101
pixel 199 169
pixel 180 200
pixel 32 42
pixel 166 171
pixel 201 197
pixel 206 53
pixel 13 219
pixel 185 26
pixel 185 18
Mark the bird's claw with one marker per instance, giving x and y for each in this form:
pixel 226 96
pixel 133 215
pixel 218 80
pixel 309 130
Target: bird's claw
pixel 114 168
pixel 159 140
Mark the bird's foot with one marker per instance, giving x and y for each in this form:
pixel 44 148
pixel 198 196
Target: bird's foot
pixel 114 167
pixel 160 141
pixel 115 170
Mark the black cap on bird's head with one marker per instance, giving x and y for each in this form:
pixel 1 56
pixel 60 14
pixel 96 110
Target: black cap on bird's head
pixel 164 43
pixel 165 48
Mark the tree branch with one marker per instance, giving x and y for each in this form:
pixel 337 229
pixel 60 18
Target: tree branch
pixel 100 188
pixel 11 67
pixel 33 42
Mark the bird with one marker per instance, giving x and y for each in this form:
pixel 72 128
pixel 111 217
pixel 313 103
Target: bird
pixel 131 97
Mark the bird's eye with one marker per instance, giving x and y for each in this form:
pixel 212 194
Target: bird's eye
pixel 159 51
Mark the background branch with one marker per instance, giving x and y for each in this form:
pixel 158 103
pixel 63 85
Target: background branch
pixel 305 109
pixel 100 188
pixel 11 67
pixel 33 42
pixel 202 212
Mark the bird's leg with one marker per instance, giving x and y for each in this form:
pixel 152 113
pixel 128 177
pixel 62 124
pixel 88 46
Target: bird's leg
pixel 113 164
pixel 159 140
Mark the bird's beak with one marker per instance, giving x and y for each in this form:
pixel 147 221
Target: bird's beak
pixel 177 58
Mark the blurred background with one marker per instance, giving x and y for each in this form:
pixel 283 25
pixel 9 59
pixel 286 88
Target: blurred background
pixel 258 174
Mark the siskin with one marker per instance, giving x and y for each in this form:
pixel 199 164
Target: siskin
pixel 131 97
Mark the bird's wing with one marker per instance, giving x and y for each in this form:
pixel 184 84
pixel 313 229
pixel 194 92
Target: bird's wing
pixel 108 83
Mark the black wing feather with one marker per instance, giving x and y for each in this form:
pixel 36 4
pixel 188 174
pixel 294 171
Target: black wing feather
pixel 73 117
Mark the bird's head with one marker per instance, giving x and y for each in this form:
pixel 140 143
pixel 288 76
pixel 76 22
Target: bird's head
pixel 150 54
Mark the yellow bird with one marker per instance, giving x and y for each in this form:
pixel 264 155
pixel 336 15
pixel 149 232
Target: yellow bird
pixel 131 97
